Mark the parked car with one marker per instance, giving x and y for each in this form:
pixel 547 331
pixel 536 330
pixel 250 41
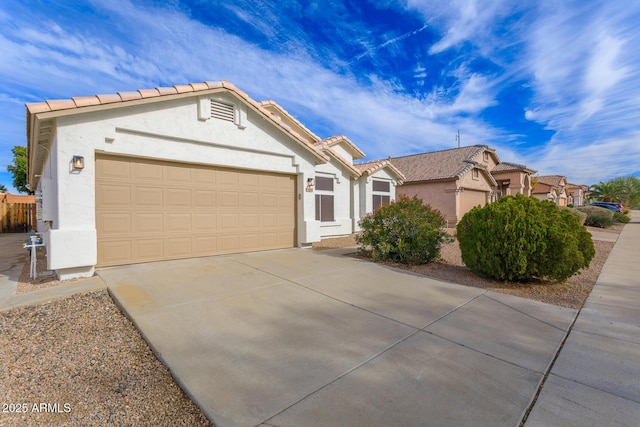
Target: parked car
pixel 612 206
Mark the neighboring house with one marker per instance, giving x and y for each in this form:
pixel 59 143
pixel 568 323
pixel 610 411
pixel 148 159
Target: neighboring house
pixel 512 179
pixel 552 188
pixel 188 171
pixel 452 181
pixel 577 194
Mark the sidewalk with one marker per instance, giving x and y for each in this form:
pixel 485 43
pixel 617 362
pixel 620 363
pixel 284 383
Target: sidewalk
pixel 595 380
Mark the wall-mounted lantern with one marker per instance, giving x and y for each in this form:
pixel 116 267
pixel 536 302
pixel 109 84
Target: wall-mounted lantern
pixel 309 185
pixel 77 164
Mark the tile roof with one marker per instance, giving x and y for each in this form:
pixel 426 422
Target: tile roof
pixel 438 165
pixel 552 180
pixel 122 98
pixel 508 167
pixel 335 140
pixel 369 168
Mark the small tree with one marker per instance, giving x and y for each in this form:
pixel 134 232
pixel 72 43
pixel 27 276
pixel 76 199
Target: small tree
pixel 406 231
pixel 518 238
pixel 19 168
pixel 3 189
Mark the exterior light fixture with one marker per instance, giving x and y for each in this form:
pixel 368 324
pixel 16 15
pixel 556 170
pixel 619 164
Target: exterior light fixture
pixel 309 185
pixel 77 164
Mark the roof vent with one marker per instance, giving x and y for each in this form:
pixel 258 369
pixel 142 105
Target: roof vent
pixel 222 111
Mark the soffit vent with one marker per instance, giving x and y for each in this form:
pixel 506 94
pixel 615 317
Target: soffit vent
pixel 222 111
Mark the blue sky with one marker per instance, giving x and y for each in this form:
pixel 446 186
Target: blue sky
pixel 551 84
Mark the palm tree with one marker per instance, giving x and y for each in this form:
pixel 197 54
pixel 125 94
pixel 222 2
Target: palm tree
pixel 606 191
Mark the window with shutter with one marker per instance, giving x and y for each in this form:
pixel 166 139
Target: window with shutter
pixel 381 193
pixel 324 199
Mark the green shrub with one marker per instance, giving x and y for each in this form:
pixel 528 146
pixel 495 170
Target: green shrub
pixel 519 238
pixel 597 216
pixel 620 217
pixel 581 215
pixel 406 231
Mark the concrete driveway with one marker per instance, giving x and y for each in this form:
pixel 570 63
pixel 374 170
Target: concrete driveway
pixel 305 338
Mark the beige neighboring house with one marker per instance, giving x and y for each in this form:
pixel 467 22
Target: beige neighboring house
pixel 513 179
pixel 552 188
pixel 452 181
pixel 577 194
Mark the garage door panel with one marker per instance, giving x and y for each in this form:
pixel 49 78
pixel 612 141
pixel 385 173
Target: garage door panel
pixel 114 223
pixel 178 247
pixel 178 223
pixel 149 210
pixel 149 249
pixel 269 219
pixel 203 176
pixel 229 199
pixel 114 195
pixel 249 200
pixel 269 182
pixel 205 222
pixel 114 169
pixel 177 198
pixel 249 220
pixel 148 197
pixel 148 223
pixel 205 198
pixel 114 252
pixel 206 245
pixel 229 243
pixel 147 171
pixel 229 221
pixel 249 180
pixel 268 200
pixel 177 174
pixel 250 241
pixel 285 201
pixel 228 178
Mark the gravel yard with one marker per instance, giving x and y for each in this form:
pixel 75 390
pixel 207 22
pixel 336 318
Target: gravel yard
pixel 85 359
pixel 86 362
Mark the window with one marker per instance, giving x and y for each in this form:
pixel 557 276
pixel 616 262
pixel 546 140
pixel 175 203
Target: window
pixel 381 193
pixel 475 174
pixel 324 199
pixel 486 156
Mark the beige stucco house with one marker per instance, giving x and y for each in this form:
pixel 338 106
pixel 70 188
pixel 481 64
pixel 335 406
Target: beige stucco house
pixel 452 181
pixel 552 188
pixel 577 194
pixel 186 171
pixel 512 179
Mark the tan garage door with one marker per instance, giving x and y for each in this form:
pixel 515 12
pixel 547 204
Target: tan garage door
pixel 149 210
pixel 471 198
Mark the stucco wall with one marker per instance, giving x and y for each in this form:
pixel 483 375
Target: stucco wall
pixel 439 195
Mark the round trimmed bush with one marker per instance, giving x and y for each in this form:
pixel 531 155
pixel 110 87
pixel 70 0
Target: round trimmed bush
pixel 518 238
pixel 405 231
pixel 597 216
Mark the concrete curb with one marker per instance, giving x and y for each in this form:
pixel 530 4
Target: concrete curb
pixel 46 295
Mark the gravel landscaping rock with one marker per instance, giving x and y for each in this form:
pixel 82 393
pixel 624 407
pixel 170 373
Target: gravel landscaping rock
pixel 81 362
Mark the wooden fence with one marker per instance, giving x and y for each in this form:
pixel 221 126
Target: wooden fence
pixel 17 217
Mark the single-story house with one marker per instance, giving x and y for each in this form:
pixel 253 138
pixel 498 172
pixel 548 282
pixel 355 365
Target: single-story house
pixel 452 181
pixel 187 171
pixel 577 194
pixel 552 188
pixel 512 179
